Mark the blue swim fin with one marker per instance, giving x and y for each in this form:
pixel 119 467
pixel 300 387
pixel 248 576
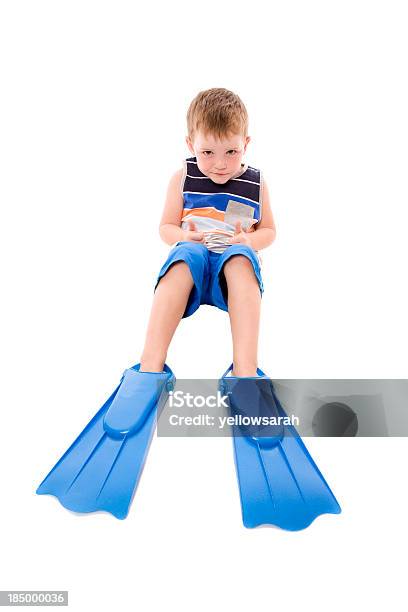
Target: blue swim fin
pixel 101 470
pixel 279 482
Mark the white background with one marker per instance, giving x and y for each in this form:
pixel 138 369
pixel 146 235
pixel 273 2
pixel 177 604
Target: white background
pixel 93 103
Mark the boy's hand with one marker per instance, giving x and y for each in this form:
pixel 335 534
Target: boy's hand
pixel 192 235
pixel 240 236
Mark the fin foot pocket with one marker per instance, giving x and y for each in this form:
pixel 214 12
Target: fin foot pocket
pixel 137 396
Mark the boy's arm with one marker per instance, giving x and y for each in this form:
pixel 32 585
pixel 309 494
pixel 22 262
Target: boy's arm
pixel 265 231
pixel 170 230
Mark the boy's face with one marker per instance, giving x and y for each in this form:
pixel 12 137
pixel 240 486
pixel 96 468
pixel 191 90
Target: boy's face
pixel 218 159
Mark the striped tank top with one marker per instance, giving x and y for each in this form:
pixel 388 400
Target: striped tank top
pixel 215 208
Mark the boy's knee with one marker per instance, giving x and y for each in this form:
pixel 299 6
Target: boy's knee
pixel 178 270
pixel 238 262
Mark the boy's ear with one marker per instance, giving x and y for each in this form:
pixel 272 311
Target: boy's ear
pixel 247 141
pixel 190 144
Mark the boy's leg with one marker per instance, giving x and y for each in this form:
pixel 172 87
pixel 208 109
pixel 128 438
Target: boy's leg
pixel 244 308
pixel 169 304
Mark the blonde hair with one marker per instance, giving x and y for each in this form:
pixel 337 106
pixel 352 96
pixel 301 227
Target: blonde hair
pixel 217 111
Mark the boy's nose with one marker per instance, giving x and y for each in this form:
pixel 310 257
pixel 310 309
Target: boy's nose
pixel 220 164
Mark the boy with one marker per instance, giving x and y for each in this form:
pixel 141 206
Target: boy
pixel 217 212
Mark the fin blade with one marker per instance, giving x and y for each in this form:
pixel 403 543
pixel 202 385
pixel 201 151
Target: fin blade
pixel 280 486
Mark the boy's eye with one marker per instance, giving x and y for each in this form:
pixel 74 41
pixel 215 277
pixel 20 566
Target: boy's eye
pixel 230 152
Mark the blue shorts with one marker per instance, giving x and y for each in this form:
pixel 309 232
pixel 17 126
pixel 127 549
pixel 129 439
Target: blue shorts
pixel 210 286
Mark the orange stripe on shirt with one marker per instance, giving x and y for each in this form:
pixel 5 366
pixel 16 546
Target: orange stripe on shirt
pixel 209 212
